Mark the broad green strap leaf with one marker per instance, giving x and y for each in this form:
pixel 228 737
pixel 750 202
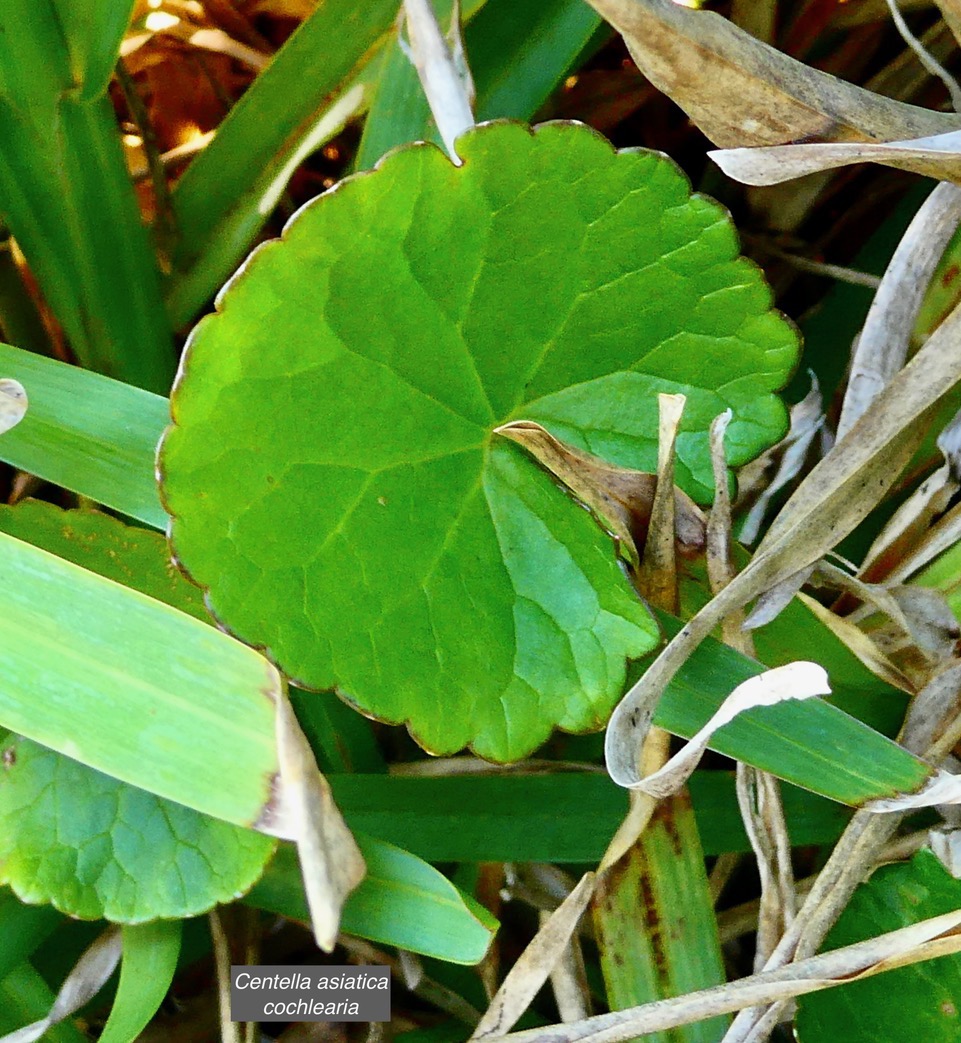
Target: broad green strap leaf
pixel 150 954
pixel 229 190
pixel 920 1002
pixel 402 901
pixel 90 434
pixel 121 682
pixel 427 569
pixel 96 848
pixel 520 50
pixel 654 921
pixel 93 30
pixel 65 193
pixel 87 843
pixel 797 741
pixel 567 817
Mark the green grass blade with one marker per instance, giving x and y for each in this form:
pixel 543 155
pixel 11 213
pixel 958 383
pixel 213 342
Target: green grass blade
pixel 811 743
pixel 20 321
pixel 87 433
pixel 227 193
pixel 138 690
pixel 654 922
pixel 568 817
pixel 93 30
pixel 150 953
pixel 25 997
pixel 23 928
pixel 520 51
pixel 66 196
pixel 402 901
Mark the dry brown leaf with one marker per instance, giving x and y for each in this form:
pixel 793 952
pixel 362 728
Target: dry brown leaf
pixel 621 499
pixel 897 546
pixel 656 579
pixel 740 91
pixel 807 420
pixel 882 346
pixel 446 81
pixel 951 12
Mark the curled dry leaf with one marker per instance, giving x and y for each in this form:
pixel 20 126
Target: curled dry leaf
pixel 936 155
pixel 882 347
pixel 801 680
pixel 621 499
pixel 13 404
pixel 740 91
pixel 807 419
pixel 896 550
pixel 446 82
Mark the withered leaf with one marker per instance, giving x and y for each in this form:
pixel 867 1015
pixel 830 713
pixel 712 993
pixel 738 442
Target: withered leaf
pixel 740 91
pixel 621 499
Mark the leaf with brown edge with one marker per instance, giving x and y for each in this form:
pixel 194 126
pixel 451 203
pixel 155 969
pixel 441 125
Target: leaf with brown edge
pixel 621 499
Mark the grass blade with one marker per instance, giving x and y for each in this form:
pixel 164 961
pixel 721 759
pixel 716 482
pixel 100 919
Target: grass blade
pixel 87 433
pixel 227 193
pixel 75 648
pixel 402 901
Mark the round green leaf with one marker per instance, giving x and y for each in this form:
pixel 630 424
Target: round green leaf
pixel 918 1002
pixel 333 472
pixel 89 844
pixel 98 848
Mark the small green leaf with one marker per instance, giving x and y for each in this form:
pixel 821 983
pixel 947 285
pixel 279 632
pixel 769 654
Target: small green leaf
pixel 150 954
pixel 333 473
pixel 97 848
pixel 922 1001
pixel 401 901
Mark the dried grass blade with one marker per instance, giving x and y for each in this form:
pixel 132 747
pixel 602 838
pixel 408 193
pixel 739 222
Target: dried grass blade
pixel 938 936
pixel 534 965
